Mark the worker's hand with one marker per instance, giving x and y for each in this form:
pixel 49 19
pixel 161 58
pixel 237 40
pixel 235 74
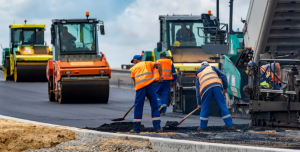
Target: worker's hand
pixel 172 85
pixel 279 77
pixel 225 91
pixel 199 107
pixel 161 79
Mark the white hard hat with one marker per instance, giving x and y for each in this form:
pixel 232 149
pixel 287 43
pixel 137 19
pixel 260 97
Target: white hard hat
pixel 205 63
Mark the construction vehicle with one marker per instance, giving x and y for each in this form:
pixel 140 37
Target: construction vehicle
pixel 207 39
pixel 28 54
pixel 77 73
pixel 270 35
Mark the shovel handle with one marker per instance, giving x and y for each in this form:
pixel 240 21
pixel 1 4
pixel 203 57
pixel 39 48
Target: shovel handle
pixel 188 116
pixel 133 104
pixel 128 111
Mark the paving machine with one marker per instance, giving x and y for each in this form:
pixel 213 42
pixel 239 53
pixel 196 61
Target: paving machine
pixel 205 40
pixel 27 55
pixel 270 36
pixel 76 73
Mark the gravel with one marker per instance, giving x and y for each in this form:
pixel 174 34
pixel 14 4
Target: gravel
pixel 100 144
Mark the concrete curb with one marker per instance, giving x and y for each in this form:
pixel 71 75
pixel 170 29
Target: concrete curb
pixel 162 144
pixel 120 71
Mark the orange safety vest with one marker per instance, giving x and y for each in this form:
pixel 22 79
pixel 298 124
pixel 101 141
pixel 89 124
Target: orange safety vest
pixel 207 77
pixel 268 73
pixel 166 70
pixel 142 54
pixel 143 74
pixel 188 33
pixel 103 56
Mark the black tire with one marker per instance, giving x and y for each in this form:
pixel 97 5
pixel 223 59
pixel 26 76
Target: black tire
pixel 51 93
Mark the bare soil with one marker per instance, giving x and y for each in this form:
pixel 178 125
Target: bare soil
pixel 19 136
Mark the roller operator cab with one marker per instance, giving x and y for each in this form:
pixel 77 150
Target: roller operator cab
pixel 77 73
pixel 189 40
pixel 27 55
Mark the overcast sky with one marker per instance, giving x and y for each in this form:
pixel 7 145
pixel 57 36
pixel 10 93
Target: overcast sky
pixel 130 25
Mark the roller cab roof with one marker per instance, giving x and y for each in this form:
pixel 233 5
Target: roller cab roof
pixel 27 26
pixel 180 17
pixel 84 20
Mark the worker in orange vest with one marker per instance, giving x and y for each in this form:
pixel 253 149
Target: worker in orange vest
pixel 209 84
pixel 143 52
pixel 270 76
pixel 162 89
pixel 142 75
pixel 103 57
pixel 184 34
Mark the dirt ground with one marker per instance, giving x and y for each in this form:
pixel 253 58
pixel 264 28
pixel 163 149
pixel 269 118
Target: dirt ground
pixel 19 136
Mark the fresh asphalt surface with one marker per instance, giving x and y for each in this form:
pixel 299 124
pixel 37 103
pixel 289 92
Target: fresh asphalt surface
pixel 30 101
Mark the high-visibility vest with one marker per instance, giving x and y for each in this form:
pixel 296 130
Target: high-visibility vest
pixel 103 56
pixel 166 65
pixel 143 74
pixel 268 73
pixel 142 54
pixel 189 33
pixel 207 77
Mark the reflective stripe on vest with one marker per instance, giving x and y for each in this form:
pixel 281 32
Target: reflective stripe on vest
pixel 268 73
pixel 143 75
pixel 207 77
pixel 166 65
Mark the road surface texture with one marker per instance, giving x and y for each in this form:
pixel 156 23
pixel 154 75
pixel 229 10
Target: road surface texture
pixel 30 101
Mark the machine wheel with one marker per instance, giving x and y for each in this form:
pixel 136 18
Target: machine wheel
pixel 16 74
pixel 59 94
pixel 5 73
pixel 51 94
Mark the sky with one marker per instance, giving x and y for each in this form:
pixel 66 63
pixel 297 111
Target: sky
pixel 130 25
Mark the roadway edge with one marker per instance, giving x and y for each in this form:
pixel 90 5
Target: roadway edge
pixel 160 144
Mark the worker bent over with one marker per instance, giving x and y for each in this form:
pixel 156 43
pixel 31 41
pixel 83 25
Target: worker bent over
pixel 209 82
pixel 103 57
pixel 162 89
pixel 142 75
pixel 269 75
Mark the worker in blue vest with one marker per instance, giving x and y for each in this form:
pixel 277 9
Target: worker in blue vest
pixel 142 75
pixel 211 83
pixel 162 89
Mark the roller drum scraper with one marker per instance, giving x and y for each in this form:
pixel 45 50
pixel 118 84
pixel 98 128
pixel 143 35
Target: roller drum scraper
pixel 121 119
pixel 171 124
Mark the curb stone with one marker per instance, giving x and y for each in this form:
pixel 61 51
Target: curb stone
pixel 161 144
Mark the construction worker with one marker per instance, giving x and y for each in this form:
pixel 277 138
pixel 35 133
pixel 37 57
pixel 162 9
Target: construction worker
pixel 266 72
pixel 143 52
pixel 142 75
pixel 185 35
pixel 103 57
pixel 162 89
pixel 209 83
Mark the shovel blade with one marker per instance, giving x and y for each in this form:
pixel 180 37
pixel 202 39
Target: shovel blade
pixel 171 124
pixel 118 119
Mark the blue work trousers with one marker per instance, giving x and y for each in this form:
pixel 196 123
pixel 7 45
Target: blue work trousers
pixel 148 91
pixel 162 91
pixel 217 94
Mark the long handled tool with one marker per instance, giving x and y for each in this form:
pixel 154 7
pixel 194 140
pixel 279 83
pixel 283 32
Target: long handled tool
pixel 121 119
pixel 175 123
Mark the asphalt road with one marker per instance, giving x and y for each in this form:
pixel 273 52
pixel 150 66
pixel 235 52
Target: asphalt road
pixel 30 101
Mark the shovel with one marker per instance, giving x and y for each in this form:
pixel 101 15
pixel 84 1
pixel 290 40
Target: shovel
pixel 121 119
pixel 171 124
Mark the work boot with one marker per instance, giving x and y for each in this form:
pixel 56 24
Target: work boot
pixel 163 114
pixel 231 128
pixel 200 129
pixel 134 132
pixel 159 130
pixel 160 108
